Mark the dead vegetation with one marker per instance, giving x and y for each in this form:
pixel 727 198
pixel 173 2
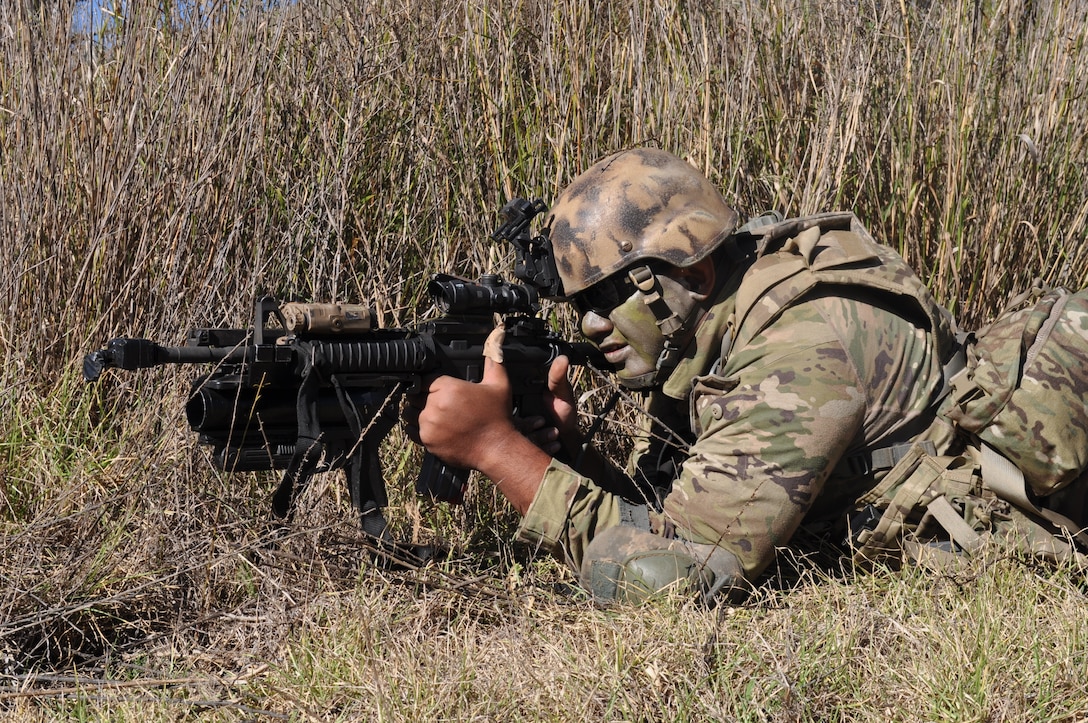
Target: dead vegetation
pixel 160 174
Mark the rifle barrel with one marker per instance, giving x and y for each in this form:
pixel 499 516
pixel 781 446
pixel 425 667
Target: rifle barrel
pixel 130 354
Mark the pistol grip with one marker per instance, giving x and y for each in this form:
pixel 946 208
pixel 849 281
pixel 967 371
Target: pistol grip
pixel 440 481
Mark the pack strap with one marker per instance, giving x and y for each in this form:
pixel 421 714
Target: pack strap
pixel 1007 481
pixel 915 474
pixel 1047 328
pixel 953 523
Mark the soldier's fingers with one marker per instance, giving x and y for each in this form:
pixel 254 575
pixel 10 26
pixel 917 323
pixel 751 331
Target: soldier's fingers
pixel 546 438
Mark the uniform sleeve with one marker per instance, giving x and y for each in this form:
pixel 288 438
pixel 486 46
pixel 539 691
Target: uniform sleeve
pixel 567 512
pixel 771 427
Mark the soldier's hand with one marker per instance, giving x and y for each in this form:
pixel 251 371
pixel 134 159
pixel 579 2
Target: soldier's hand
pixel 553 433
pixel 463 423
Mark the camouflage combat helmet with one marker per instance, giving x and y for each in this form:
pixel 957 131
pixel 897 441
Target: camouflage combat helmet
pixel 638 204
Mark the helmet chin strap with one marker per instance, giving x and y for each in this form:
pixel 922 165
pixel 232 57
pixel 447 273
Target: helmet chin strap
pixel 671 323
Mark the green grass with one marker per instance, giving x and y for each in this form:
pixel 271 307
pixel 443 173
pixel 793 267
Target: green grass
pixel 163 177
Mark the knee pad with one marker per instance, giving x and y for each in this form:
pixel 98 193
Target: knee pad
pixel 626 564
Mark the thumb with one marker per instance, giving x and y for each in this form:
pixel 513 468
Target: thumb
pixel 557 373
pixel 494 371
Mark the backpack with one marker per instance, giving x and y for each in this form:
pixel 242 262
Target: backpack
pixel 1020 407
pixel 1024 393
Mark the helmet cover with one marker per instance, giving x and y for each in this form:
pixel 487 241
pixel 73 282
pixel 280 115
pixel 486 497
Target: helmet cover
pixel 638 204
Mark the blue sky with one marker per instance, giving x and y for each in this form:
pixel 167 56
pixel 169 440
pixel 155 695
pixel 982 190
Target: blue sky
pixel 87 15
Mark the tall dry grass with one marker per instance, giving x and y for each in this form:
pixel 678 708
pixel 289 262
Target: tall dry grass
pixel 163 173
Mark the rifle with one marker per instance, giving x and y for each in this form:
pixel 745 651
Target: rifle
pixel 314 387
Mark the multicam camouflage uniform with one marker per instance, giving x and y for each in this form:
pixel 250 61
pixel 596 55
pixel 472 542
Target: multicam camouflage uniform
pixel 833 349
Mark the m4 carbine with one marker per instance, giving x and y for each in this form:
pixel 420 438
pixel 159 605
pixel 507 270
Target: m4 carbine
pixel 315 387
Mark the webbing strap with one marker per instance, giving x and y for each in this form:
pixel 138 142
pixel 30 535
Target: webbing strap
pixel 954 524
pixel 915 473
pixel 881 459
pixel 1047 328
pixel 1007 482
pixel 888 457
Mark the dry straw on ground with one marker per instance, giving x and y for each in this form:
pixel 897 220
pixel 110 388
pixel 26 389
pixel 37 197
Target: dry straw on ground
pixel 160 174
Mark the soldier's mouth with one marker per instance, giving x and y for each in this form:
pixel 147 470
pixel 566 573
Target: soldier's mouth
pixel 614 353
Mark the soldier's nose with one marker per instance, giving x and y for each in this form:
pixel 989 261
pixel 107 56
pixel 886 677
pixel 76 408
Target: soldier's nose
pixel 594 325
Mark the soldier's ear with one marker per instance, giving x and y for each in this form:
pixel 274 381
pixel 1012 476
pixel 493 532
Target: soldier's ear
pixel 699 278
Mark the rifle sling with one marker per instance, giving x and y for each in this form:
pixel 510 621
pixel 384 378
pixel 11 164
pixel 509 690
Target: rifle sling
pixel 308 449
